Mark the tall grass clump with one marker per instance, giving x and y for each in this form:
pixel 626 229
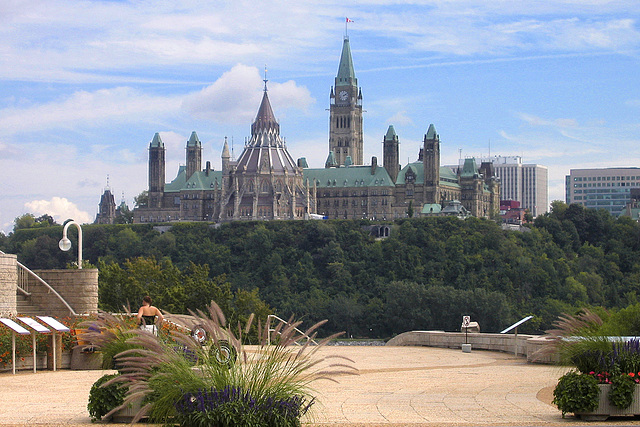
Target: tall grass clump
pixel 182 382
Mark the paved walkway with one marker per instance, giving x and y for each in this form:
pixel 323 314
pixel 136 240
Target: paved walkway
pixel 396 386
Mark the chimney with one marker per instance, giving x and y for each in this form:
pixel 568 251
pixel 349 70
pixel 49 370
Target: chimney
pixel 208 168
pixel 374 165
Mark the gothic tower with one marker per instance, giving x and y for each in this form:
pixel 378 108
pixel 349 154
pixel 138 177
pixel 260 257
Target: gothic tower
pixel 391 153
pixel 156 171
pixel 194 155
pixel 431 161
pixel 345 117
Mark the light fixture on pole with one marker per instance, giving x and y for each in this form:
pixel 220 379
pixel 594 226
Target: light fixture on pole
pixel 65 244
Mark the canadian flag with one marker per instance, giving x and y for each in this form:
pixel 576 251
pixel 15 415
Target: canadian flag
pixel 349 20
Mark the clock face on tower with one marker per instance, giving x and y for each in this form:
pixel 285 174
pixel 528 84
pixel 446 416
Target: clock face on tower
pixel 343 95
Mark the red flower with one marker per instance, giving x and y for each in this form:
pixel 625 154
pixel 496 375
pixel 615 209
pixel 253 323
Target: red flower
pixel 631 374
pixel 591 373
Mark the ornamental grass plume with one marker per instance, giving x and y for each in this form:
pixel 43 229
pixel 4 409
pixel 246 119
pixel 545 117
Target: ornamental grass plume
pixel 575 338
pixel 268 384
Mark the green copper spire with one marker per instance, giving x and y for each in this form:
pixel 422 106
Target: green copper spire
pixel 391 134
pixel 157 141
pixel 346 74
pixel 194 141
pixel 431 132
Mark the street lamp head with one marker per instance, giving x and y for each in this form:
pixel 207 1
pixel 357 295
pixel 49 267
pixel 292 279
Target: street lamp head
pixel 64 244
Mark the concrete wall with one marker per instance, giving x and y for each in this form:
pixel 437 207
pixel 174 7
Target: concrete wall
pixel 525 345
pixel 8 284
pixel 78 287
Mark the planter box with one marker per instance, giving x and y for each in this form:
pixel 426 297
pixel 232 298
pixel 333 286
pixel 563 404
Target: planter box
pixel 125 415
pixel 25 363
pixel 606 409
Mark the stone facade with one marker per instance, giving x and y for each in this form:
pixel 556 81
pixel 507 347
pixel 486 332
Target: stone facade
pixel 78 287
pixel 265 183
pixel 8 284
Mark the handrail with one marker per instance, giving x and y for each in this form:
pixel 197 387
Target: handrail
pixel 286 323
pixel 38 278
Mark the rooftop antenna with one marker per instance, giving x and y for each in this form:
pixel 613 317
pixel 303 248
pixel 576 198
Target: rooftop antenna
pixel 233 156
pixel 459 153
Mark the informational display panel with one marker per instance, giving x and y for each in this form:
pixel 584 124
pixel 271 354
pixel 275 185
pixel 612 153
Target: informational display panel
pixel 15 329
pixel 53 323
pixel 14 326
pixel 34 325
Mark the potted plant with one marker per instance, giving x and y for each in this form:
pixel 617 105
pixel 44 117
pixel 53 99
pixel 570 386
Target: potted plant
pixel 607 373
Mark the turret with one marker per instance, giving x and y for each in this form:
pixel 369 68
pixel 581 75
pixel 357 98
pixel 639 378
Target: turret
pixel 391 153
pixel 194 155
pixel 156 171
pixel 431 161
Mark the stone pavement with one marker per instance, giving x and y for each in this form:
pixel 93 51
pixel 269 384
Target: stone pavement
pixel 396 386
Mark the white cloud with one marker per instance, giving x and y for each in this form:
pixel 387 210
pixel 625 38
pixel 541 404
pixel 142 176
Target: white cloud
pixel 88 109
pixel 59 208
pixel 400 118
pixel 235 97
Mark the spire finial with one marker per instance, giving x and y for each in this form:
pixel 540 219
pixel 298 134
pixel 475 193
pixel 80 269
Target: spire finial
pixel 265 77
pixel 108 188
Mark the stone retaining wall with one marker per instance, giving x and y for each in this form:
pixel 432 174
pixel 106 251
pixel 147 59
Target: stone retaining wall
pixel 79 287
pixel 523 345
pixel 8 284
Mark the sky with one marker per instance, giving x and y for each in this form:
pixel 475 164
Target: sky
pixel 84 85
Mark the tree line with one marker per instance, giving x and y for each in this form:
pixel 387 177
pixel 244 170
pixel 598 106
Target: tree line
pixel 426 275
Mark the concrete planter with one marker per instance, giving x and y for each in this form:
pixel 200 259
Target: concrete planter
pixel 606 409
pixel 125 415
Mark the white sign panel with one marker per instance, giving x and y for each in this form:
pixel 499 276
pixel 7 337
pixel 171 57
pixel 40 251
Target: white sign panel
pixel 14 326
pixel 34 325
pixel 50 321
pixel 466 320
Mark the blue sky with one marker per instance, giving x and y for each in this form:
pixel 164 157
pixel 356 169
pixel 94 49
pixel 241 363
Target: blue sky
pixel 84 85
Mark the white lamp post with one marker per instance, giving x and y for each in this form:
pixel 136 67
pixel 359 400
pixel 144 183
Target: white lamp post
pixel 65 244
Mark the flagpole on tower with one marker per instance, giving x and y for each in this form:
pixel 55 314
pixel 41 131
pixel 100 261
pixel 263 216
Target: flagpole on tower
pixel 346 32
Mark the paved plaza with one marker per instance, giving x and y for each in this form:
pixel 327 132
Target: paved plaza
pixel 396 386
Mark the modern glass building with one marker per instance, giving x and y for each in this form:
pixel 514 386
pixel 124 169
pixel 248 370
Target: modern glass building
pixel 608 188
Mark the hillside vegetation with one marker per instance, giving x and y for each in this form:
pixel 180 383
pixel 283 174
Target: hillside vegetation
pixel 426 275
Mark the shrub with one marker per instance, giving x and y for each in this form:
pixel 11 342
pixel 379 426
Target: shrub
pixel 622 388
pixel 234 406
pixel 104 398
pixel 576 392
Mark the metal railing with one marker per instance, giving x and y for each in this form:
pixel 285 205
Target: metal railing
pixel 270 330
pixel 23 284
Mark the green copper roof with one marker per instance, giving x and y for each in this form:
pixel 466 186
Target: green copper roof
pixel 391 134
pixel 352 176
pixel 431 208
pixel 469 170
pixel 346 73
pixel 348 161
pixel 431 132
pixel 198 181
pixel 447 177
pixel 157 141
pixel 331 160
pixel 302 162
pixel 194 141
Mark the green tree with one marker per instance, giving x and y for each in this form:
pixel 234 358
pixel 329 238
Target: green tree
pixel 142 199
pixel 29 220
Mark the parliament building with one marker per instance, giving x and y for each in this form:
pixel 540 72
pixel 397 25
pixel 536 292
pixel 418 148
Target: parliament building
pixel 266 183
